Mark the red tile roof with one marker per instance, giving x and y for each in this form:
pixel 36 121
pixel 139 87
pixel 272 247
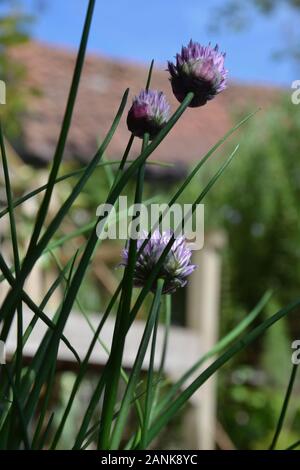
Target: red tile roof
pixel 103 83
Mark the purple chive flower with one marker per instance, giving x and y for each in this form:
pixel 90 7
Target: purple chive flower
pixel 198 69
pixel 177 265
pixel 149 113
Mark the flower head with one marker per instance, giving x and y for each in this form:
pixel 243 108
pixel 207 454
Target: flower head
pixel 149 113
pixel 176 267
pixel 198 69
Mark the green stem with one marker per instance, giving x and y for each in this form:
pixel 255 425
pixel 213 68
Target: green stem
pixel 168 307
pixel 17 202
pixel 294 446
pixel 92 241
pixel 131 138
pixel 29 302
pixel 19 410
pixel 12 297
pixel 217 348
pixel 79 377
pixel 14 240
pixel 155 271
pixel 168 300
pixel 149 75
pixel 284 406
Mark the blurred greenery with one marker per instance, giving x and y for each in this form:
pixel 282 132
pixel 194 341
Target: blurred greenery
pixel 239 15
pixel 257 204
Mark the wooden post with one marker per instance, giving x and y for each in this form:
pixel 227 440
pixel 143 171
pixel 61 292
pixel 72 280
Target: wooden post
pixel 202 316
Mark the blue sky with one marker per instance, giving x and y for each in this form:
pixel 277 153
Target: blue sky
pixel 129 29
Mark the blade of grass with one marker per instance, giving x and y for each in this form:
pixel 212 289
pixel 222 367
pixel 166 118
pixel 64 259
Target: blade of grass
pixel 29 385
pixel 17 202
pixel 168 301
pixel 153 276
pixel 80 231
pixel 45 362
pixel 93 242
pixel 93 239
pixel 149 75
pixel 50 381
pixel 168 306
pixel 219 347
pixel 9 196
pixel 181 189
pixel 102 344
pixel 131 138
pixel 12 297
pixel 284 406
pixel 108 172
pixel 150 388
pixel 77 279
pixel 111 200
pixel 57 159
pixel 45 435
pixel 136 369
pixel 14 240
pixel 26 388
pixel 46 299
pixel 196 170
pixel 22 420
pixel 119 285
pixel 94 401
pixel 37 364
pixel 95 428
pixel 154 273
pixel 208 155
pixel 140 160
pixel 79 377
pixel 49 388
pixel 121 325
pixel 36 310
pixel 35 318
